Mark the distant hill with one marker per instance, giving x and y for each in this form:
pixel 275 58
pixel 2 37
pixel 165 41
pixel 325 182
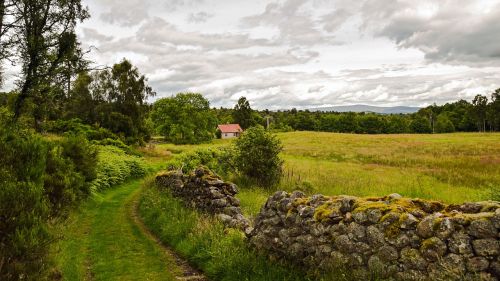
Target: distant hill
pixel 369 108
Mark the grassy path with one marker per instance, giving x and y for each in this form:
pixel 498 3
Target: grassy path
pixel 106 241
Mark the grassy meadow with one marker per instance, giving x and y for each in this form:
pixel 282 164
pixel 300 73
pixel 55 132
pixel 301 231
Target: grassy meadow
pixel 451 168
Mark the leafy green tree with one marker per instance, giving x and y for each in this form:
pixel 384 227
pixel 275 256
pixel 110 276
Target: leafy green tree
pixel 480 109
pixel 370 124
pixel 444 124
pixel 398 124
pixel 494 110
pixel 46 45
pixel 185 118
pixel 243 114
pixel 257 156
pixel 125 91
pixel 420 125
pixel 115 99
pixel 81 103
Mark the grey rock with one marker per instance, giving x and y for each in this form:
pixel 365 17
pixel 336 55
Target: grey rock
pixel 232 188
pixel 220 203
pixel 401 241
pixel 394 196
pixel 297 194
pixel 408 221
pixel 355 260
pixel 305 211
pixel 324 250
pixel 347 203
pixel 412 259
pixel 337 258
pixel 344 244
pixel 362 248
pixel 486 247
pixel 459 243
pixel 215 182
pixel 470 208
pixel 450 267
pixel 215 194
pixel 232 211
pixel 356 231
pixel 433 248
pixel 482 228
pixel 476 264
pixel 373 215
pixel 318 229
pixel 360 217
pixel 388 253
pixel 444 228
pixel 390 218
pixel 224 218
pixel 495 267
pixel 279 195
pixel 425 228
pixel 337 229
pixel 376 265
pixel 496 219
pixel 374 236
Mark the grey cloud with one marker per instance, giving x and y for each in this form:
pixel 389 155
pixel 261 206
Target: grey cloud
pixel 174 5
pixel 225 65
pixel 125 12
pixel 158 31
pixel 315 89
pixel 334 20
pixel 296 25
pixel 199 17
pixel 91 34
pixel 449 31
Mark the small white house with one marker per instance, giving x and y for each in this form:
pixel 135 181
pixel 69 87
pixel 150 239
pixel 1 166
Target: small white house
pixel 230 131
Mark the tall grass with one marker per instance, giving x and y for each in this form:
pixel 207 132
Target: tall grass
pixel 221 253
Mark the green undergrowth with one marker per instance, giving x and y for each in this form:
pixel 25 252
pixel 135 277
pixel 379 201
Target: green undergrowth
pixel 222 254
pixel 114 166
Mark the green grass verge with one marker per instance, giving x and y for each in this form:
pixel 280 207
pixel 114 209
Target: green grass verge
pixel 221 253
pixel 102 242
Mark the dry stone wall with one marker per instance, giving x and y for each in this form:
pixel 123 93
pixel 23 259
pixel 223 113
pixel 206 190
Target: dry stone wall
pixel 391 237
pixel 207 192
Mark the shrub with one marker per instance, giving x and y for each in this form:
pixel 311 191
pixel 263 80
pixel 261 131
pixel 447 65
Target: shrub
pixel 70 168
pixel 76 127
pixel 114 166
pixel 256 155
pixel 188 161
pixel 24 238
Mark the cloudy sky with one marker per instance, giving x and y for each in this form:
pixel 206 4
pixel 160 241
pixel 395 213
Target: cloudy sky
pixel 296 53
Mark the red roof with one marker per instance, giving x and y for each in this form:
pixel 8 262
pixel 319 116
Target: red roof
pixel 230 128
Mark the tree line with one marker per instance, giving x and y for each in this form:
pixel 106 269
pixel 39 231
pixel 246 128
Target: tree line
pixel 480 115
pixel 188 118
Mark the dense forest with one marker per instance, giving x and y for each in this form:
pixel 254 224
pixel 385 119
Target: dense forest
pixel 480 115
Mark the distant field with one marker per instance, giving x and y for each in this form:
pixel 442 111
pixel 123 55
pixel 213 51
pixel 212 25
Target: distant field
pixel 448 167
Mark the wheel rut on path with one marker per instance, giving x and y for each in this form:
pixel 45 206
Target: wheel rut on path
pixel 188 272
